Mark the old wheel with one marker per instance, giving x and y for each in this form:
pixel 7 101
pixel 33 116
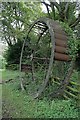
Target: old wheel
pixel 40 62
pixel 45 59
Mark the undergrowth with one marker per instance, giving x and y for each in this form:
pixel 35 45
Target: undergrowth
pixel 22 105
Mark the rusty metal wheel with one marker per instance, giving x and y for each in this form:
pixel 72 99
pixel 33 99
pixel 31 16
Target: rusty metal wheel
pixel 44 54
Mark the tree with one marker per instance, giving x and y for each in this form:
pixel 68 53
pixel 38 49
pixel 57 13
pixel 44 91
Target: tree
pixel 64 11
pixel 16 18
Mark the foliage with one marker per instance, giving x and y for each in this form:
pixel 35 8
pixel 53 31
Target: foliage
pixel 2 62
pixel 12 66
pixel 63 11
pixel 16 18
pixel 21 105
pixel 12 54
pixel 73 42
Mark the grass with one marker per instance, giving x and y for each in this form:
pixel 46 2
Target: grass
pixel 0 94
pixel 20 105
pixel 0 100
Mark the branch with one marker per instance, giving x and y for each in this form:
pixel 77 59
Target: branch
pixel 66 8
pixel 53 9
pixel 46 4
pixel 47 7
pixel 75 22
pixel 7 41
pixel 57 6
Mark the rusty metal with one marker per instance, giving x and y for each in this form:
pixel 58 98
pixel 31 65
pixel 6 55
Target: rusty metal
pixel 61 43
pixel 60 49
pixel 60 36
pixel 61 57
pixel 59 31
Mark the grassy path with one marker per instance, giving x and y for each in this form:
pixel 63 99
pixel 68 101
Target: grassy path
pixel 7 109
pixel 18 104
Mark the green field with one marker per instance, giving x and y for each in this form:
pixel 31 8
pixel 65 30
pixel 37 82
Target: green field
pixel 17 104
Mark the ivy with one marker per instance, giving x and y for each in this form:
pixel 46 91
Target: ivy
pixel 73 42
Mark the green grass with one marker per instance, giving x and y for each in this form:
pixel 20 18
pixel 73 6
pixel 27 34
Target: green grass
pixel 21 105
pixel 10 74
pixel 0 100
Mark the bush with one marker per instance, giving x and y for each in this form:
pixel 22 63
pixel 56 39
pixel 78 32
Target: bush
pixel 12 66
pixel 12 54
pixel 2 62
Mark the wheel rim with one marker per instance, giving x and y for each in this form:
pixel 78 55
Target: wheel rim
pixel 47 57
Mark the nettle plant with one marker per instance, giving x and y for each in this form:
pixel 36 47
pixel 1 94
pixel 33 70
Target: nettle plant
pixel 73 42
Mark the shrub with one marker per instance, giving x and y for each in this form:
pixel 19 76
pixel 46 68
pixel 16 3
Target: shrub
pixel 2 62
pixel 12 54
